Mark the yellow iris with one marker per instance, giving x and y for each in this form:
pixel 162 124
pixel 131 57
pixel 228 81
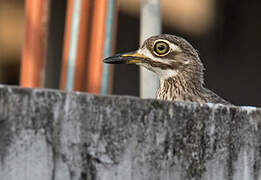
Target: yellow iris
pixel 161 48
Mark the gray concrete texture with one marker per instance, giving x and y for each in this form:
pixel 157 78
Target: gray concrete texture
pixel 53 135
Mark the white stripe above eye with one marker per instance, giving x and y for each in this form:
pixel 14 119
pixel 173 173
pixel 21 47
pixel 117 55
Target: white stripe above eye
pixel 145 52
pixel 172 46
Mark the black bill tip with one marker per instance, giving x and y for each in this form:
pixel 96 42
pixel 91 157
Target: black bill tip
pixel 126 58
pixel 116 59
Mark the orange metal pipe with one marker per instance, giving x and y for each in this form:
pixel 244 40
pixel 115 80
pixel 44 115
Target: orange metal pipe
pixel 34 48
pixel 94 74
pixel 81 61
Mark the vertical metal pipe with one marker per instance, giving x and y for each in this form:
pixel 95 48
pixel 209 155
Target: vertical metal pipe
pixel 80 79
pixel 66 46
pixel 34 48
pixel 150 25
pixel 110 21
pixel 76 48
pixel 94 75
pixel 73 44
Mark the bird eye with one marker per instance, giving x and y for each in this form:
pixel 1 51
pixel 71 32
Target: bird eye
pixel 161 48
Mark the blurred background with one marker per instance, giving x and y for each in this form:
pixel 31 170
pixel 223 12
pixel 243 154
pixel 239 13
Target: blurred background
pixel 225 32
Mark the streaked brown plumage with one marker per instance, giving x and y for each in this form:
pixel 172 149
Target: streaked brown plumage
pixel 178 66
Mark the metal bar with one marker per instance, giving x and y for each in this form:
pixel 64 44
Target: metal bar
pixel 110 22
pixel 34 48
pixel 73 44
pixel 76 45
pixel 94 75
pixel 66 47
pixel 150 25
pixel 80 78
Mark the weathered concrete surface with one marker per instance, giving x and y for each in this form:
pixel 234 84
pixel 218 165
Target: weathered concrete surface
pixel 52 135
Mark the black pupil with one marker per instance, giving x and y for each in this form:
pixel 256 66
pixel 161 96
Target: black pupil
pixel 161 47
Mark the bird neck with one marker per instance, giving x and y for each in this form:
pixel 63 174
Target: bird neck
pixel 180 87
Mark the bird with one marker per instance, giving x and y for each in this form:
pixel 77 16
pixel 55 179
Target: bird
pixel 178 65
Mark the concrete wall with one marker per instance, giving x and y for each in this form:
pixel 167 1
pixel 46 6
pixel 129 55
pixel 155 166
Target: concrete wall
pixel 53 135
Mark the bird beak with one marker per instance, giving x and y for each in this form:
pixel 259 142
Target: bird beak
pixel 126 58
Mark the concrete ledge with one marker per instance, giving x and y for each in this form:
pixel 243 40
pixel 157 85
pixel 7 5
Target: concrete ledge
pixel 53 135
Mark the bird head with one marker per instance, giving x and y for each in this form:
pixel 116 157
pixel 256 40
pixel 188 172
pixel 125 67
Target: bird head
pixel 166 55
